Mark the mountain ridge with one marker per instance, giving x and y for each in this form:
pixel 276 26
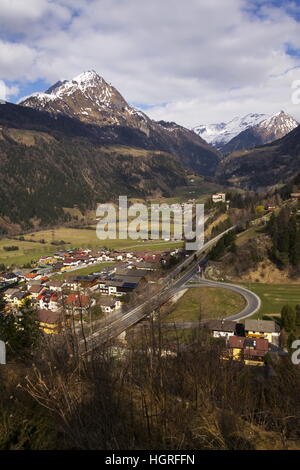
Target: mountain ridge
pixel 91 100
pixel 248 131
pixel 262 167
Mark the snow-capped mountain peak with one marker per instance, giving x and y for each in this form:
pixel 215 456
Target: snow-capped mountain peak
pixel 280 123
pixel 87 97
pixel 221 133
pixel 248 131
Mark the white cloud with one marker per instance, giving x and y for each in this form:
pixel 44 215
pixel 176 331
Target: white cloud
pixel 16 60
pixel 205 61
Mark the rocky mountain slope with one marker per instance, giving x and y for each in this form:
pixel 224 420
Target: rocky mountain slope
pixel 264 166
pixel 265 132
pixel 221 133
pixel 247 132
pixel 90 99
pixel 48 164
pixel 79 144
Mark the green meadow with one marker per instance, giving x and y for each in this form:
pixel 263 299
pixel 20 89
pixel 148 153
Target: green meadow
pixel 275 296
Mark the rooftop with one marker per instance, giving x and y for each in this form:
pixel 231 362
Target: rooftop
pixel 262 326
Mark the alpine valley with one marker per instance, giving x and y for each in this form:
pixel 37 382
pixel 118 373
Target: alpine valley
pixel 80 143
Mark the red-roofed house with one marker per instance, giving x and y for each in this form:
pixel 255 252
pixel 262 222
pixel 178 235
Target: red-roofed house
pixel 249 350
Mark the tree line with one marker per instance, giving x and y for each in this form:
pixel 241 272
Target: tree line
pixel 284 230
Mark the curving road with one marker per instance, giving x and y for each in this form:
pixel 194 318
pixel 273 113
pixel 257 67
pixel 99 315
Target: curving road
pixel 119 323
pixel 253 302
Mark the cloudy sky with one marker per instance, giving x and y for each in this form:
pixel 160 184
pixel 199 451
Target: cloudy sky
pixel 193 61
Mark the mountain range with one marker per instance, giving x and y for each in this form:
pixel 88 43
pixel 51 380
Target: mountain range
pixel 80 143
pixel 91 100
pixel 263 167
pixel 247 132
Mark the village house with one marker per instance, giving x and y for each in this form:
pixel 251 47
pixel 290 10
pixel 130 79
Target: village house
pixel 251 351
pixel 111 287
pixel 266 329
pixel 146 266
pixel 50 322
pixel 77 303
pixel 55 286
pixel 70 262
pixel 36 290
pixel 109 304
pixel 19 298
pixel 221 328
pixel 47 260
pixel 43 300
pixel 58 267
pixel 9 278
pixel 82 282
pixel 32 276
pixel 55 301
pixel 9 294
pixel 219 197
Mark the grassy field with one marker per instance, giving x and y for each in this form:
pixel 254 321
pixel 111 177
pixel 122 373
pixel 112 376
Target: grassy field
pixel 198 189
pixel 211 302
pixel 84 238
pixel 27 252
pixel 82 272
pixel 72 238
pixel 275 296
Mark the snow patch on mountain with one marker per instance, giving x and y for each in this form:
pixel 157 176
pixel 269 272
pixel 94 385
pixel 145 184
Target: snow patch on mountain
pixel 221 133
pixel 270 127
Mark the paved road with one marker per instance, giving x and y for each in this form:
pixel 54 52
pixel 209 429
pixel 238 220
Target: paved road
pixel 253 302
pixel 170 286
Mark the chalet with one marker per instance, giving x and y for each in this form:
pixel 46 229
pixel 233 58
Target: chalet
pixel 9 294
pixel 75 302
pixel 87 282
pixel 109 304
pixel 77 282
pixel 58 267
pixel 251 351
pixel 19 298
pixel 219 197
pixel 50 322
pixel 36 290
pixel 44 300
pixel 221 328
pixel 48 260
pixel 55 301
pixel 145 266
pixel 71 262
pixel 55 286
pixel 9 278
pixel 266 329
pixel 72 282
pixel 31 276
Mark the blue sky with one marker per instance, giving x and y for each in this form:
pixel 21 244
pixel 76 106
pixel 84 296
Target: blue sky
pixel 192 62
